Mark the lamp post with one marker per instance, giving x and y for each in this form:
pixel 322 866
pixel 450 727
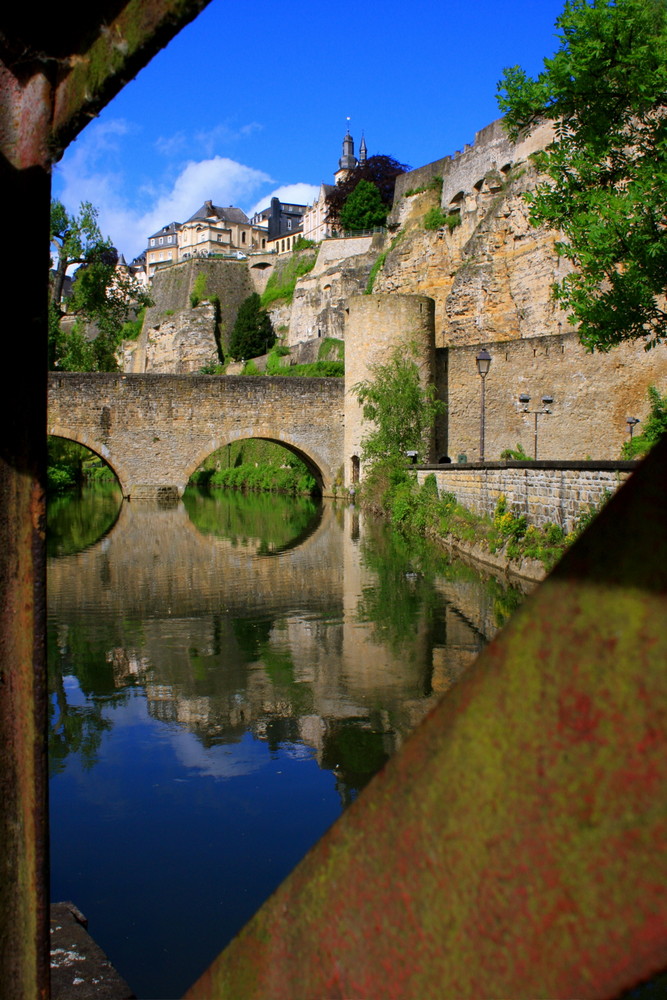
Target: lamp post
pixel 632 423
pixel 524 399
pixel 483 360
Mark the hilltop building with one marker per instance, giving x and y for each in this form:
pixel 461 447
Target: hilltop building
pixel 210 231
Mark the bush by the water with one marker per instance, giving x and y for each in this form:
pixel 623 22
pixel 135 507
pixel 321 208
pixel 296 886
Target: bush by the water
pixel 392 490
pixel 255 465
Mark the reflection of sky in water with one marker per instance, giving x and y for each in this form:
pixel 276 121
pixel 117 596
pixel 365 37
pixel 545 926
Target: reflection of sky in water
pixel 163 826
pixel 229 761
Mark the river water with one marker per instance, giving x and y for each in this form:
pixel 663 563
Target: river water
pixel 226 674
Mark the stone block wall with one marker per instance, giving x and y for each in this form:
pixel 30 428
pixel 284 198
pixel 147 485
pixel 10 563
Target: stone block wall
pixel 555 492
pixel 593 395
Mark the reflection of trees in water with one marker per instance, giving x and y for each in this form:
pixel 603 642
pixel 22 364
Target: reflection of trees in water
pixel 273 521
pixel 77 729
pixel 403 594
pixel 77 520
pixel 355 750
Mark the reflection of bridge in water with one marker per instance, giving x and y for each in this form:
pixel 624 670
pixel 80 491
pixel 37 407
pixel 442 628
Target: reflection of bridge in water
pixel 179 599
pixel 155 430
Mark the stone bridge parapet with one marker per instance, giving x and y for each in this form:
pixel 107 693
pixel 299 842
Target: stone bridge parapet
pixel 155 430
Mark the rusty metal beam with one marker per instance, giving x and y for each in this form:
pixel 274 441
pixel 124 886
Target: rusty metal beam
pixel 52 79
pixel 516 845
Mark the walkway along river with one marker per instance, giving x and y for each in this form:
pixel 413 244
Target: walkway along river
pixel 226 674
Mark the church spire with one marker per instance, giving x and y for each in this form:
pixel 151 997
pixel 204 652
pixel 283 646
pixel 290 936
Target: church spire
pixel 362 149
pixel 348 160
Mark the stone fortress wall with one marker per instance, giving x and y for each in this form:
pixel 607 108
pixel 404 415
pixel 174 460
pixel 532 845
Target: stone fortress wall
pixel 375 325
pixel 545 492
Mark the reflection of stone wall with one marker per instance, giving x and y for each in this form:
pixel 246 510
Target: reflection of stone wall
pixel 174 598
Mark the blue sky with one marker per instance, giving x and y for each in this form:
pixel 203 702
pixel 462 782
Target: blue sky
pixel 253 99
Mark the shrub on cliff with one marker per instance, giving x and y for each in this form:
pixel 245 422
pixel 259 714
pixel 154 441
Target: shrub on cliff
pixel 253 332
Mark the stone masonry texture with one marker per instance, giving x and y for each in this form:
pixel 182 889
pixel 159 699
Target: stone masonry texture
pixel 155 430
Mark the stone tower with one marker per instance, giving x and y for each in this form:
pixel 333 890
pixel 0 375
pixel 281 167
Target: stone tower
pixel 374 326
pixel 348 160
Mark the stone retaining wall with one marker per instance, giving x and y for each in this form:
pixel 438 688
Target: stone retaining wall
pixel 557 492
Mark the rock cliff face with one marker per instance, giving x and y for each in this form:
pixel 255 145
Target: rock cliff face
pixel 491 275
pixel 320 298
pixel 178 337
pixel 181 343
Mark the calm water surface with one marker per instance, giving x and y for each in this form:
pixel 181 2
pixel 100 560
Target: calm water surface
pixel 226 675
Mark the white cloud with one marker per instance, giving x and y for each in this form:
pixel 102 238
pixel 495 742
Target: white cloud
pixel 296 194
pixel 92 170
pixel 137 193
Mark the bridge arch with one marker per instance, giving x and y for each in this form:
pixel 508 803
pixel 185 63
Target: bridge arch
pixel 310 461
pixel 77 437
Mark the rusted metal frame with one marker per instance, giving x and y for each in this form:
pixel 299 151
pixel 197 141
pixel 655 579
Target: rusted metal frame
pixel 516 844
pixel 24 181
pixel 86 83
pixel 39 113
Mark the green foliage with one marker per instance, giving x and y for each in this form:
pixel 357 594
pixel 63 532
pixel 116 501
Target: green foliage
pixel 256 466
pixel 213 368
pixel 435 218
pixel 435 184
pixel 315 369
pixel 654 427
pixel 401 409
pixel 198 293
pixel 606 91
pixel 282 282
pixel 274 362
pixel 364 208
pixel 375 270
pixel 381 171
pixel 516 454
pixel 253 333
pixel 104 298
pixel 132 328
pixel 69 465
pixel 331 349
pixel 301 243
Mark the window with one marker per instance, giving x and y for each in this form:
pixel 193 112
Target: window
pixel 160 241
pixel 152 243
pixel 289 223
pixel 242 237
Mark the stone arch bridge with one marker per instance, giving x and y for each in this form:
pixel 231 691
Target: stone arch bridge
pixel 155 430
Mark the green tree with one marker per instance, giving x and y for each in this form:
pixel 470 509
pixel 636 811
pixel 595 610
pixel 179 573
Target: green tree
pixel 253 332
pixel 606 91
pixel 401 409
pixel 379 170
pixel 104 297
pixel 364 209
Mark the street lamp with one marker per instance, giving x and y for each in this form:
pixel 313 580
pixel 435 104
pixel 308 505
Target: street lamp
pixel 524 399
pixel 632 423
pixel 483 360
